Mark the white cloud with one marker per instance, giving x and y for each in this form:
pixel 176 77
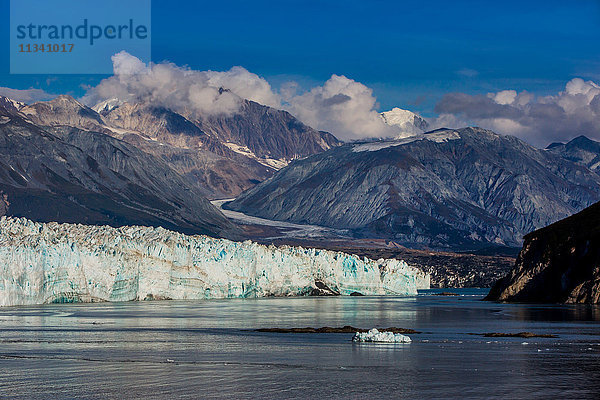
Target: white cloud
pixel 179 88
pixel 341 106
pixel 126 64
pixel 26 95
pixel 572 112
pixel 508 126
pixel 446 120
pixel 245 84
pixel 505 96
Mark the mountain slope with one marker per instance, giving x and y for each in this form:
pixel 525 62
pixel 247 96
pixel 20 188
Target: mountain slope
pixel 10 105
pixel 265 135
pixel 581 150
pixel 461 189
pixel 558 264
pixel 69 175
pixel 211 165
pixel 268 133
pixel 64 110
pixel 222 155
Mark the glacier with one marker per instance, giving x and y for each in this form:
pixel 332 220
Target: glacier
pixel 57 263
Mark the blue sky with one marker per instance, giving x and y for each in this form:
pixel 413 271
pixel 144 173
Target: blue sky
pixel 410 52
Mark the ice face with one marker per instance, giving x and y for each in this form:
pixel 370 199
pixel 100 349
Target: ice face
pixel 385 337
pixel 51 262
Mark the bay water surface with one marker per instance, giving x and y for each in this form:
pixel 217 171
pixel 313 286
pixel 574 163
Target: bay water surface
pixel 209 349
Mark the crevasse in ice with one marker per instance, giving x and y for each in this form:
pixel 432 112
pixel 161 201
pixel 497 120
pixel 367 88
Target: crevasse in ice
pixel 51 262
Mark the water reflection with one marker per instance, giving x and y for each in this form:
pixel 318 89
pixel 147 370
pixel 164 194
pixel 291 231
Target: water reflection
pixel 209 349
pixel 579 312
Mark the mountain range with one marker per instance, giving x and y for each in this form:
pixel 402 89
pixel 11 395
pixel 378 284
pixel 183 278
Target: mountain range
pixel 221 154
pixel 139 163
pixel 580 150
pixel 460 189
pixel 67 174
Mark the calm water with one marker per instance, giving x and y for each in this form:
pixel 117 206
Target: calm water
pixel 156 350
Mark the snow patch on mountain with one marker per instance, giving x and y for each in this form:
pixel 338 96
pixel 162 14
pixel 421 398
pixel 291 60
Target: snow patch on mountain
pixel 10 104
pixel 407 122
pixel 383 144
pixel 266 161
pixel 438 136
pixel 442 135
pixel 107 106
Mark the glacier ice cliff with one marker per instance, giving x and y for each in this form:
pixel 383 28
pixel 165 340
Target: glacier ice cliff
pixel 52 262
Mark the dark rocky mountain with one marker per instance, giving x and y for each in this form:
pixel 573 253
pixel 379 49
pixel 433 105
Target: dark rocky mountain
pixel 458 189
pixel 282 137
pixel 558 264
pixel 581 150
pixel 225 154
pixel 211 165
pixel 218 173
pixel 65 174
pixel 222 155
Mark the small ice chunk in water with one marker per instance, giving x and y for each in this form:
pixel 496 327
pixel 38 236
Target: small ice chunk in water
pixel 375 336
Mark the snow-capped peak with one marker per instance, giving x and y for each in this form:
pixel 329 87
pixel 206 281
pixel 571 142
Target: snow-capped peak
pixel 407 122
pixel 107 105
pixel 11 104
pixel 398 116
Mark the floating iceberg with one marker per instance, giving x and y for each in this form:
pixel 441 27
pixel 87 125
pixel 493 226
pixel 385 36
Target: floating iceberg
pixel 385 337
pixel 51 262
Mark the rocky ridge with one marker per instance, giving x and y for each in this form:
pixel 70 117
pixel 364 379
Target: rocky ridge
pixel 221 154
pixel 66 174
pixel 558 264
pixel 448 189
